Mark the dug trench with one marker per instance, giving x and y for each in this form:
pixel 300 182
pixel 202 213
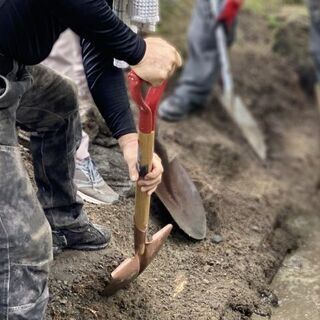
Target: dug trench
pixel 227 275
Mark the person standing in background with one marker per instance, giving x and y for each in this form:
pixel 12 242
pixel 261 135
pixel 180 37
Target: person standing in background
pixel 202 67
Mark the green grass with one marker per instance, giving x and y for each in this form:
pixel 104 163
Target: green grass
pixel 269 6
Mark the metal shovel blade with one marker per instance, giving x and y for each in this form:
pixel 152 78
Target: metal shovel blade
pixel 125 273
pixel 131 268
pixel 232 103
pixel 152 248
pixel 245 121
pixel 180 196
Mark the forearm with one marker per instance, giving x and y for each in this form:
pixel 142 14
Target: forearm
pixel 110 95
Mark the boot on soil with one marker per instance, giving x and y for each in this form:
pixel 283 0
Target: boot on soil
pixel 91 186
pixel 88 238
pixel 173 110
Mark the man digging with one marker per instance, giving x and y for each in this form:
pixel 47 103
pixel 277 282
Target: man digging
pixel 44 103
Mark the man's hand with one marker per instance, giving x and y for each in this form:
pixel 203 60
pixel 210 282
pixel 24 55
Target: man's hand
pixel 129 147
pixel 151 181
pixel 159 62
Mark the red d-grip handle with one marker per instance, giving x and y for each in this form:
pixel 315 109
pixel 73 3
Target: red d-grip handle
pixel 148 106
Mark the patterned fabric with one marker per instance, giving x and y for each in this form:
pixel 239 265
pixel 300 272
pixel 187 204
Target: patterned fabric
pixel 121 9
pixel 140 15
pixel 145 13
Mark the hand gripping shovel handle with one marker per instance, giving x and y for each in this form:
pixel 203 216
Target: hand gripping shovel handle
pixel 148 108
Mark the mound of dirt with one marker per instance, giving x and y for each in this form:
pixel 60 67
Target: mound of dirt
pixel 292 43
pixel 247 203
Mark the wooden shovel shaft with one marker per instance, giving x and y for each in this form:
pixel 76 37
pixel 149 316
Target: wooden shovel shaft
pixel 142 206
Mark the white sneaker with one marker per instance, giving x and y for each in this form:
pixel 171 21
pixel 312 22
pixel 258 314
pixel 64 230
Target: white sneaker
pixel 91 186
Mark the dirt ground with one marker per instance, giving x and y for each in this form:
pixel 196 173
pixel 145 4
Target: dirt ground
pixel 247 203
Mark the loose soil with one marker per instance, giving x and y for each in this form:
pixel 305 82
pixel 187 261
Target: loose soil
pixel 247 203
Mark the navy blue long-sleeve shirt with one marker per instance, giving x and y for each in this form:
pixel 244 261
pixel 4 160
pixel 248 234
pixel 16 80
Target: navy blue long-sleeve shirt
pixel 29 28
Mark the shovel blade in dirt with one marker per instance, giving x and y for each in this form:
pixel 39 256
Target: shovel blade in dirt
pixel 180 196
pixel 124 274
pixel 131 268
pixel 245 121
pixel 145 251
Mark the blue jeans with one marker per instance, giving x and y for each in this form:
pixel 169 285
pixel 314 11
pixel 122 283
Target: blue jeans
pixel 44 103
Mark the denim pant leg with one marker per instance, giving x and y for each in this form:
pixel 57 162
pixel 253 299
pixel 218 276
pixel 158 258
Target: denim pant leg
pixel 50 111
pixel 25 235
pixel 314 7
pixel 202 66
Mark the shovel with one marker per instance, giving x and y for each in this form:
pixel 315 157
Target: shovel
pixel 145 251
pixel 232 102
pixel 178 193
pixel 180 196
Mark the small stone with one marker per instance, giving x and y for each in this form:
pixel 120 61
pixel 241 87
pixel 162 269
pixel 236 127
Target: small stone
pixel 206 281
pixel 255 228
pixel 216 239
pixel 63 301
pixel 206 269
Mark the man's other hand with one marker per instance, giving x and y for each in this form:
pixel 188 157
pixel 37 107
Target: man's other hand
pixel 149 183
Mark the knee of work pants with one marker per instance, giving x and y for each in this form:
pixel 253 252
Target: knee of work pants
pixel 50 102
pixel 25 243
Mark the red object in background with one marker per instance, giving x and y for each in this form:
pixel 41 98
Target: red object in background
pixel 230 11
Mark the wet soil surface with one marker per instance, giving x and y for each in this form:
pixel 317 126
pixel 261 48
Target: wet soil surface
pixel 297 284
pixel 247 204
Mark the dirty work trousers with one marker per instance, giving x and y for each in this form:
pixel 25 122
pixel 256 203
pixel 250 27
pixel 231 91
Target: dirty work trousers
pixel 66 58
pixel 44 103
pixel 314 8
pixel 202 67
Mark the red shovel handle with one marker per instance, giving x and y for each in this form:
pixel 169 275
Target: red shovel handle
pixel 148 106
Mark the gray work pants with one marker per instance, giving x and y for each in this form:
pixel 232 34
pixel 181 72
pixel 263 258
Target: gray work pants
pixel 203 66
pixel 45 104
pixel 66 59
pixel 314 8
